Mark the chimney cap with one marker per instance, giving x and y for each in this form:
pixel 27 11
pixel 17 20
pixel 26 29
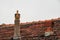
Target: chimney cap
pixel 17 11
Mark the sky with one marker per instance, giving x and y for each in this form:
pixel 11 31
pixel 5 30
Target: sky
pixel 30 10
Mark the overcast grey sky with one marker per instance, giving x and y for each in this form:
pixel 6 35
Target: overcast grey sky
pixel 30 10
